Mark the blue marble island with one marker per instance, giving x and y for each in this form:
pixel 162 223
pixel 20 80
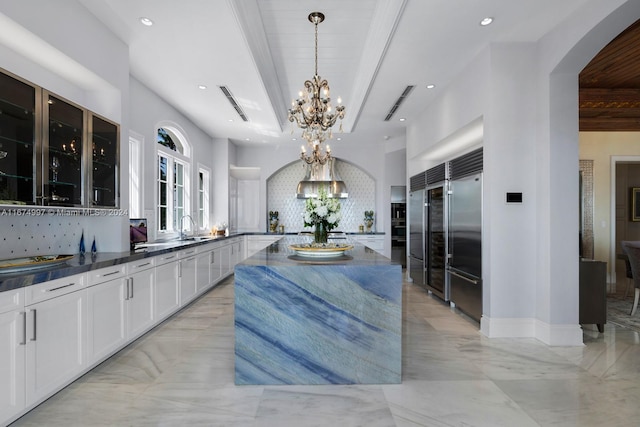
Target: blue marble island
pixel 309 321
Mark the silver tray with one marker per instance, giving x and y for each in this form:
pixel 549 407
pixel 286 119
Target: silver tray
pixel 32 263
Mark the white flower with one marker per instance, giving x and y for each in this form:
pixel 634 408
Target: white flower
pixel 322 209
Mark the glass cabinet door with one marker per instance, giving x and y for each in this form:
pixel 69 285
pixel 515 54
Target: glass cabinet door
pixel 104 162
pixel 62 155
pixel 17 141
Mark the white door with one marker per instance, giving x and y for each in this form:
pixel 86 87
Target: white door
pixel 56 343
pixel 106 319
pixel 202 274
pixel 12 357
pixel 187 279
pixel 225 261
pixel 167 297
pixel 140 302
pixel 214 266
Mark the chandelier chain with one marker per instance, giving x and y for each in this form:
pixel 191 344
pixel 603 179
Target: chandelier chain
pixel 312 111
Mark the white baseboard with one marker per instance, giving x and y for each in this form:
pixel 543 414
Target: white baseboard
pixel 554 335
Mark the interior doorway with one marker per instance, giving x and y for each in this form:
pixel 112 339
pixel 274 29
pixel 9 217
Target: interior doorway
pixel 625 175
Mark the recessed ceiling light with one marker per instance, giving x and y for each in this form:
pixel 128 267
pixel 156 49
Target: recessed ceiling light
pixel 230 120
pixel 402 119
pixel 431 86
pixel 294 139
pixel 339 139
pixel 486 21
pixel 202 87
pixel 146 21
pixel 247 139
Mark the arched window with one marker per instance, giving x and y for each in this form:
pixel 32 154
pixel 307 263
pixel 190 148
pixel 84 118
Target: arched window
pixel 174 186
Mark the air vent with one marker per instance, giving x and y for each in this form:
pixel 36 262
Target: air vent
pixel 400 100
pixel 418 182
pixel 466 164
pixel 233 103
pixel 436 174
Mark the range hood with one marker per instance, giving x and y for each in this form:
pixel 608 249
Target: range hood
pixel 321 176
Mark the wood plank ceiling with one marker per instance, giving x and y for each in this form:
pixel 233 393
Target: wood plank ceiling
pixel 610 86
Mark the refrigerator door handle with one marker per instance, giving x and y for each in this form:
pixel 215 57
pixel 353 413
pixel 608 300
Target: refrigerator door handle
pixel 475 282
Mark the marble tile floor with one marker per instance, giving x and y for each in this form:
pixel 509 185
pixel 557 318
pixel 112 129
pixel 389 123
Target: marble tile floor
pixel 181 374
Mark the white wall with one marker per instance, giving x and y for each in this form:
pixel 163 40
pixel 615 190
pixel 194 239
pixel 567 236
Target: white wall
pixel 526 95
pixel 91 70
pixel 148 111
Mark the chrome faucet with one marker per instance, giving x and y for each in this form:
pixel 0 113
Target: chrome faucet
pixel 183 232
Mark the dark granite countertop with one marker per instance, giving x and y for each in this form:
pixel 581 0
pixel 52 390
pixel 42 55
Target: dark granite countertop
pixel 80 264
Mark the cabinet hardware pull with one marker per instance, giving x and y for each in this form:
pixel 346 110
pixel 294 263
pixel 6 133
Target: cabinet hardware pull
pixel 213 257
pixel 34 326
pixel 146 263
pixel 24 328
pixel 475 282
pixel 59 287
pixel 189 252
pixel 169 257
pixel 111 274
pixel 126 292
pixel 131 297
pixel 179 270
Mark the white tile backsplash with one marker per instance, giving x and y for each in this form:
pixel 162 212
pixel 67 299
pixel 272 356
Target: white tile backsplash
pixel 281 196
pixel 37 232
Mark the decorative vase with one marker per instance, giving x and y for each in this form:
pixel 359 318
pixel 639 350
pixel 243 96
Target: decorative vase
pixel 320 235
pixel 273 225
pixel 369 224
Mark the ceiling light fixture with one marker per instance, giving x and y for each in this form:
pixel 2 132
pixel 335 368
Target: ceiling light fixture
pixel 146 21
pixel 431 86
pixel 402 119
pixel 202 87
pixel 486 21
pixel 312 111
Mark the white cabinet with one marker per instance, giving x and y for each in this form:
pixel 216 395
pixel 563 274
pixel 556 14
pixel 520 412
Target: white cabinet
pixel 237 251
pixel 106 312
pixel 225 261
pixel 258 242
pixel 167 291
pixel 12 353
pixel 203 266
pixel 215 265
pixel 187 275
pixel 56 335
pixel 139 297
pixel 372 241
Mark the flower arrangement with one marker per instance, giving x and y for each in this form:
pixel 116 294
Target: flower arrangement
pixel 368 219
pixel 273 221
pixel 322 213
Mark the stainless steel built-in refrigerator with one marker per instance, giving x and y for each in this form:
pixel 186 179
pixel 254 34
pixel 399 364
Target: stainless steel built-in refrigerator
pixel 465 244
pixel 416 237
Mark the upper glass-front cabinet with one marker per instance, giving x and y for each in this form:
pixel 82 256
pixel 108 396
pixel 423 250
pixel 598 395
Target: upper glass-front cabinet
pixel 17 141
pixel 104 157
pixel 63 154
pixel 53 152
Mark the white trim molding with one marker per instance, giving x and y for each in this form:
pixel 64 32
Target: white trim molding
pixel 553 335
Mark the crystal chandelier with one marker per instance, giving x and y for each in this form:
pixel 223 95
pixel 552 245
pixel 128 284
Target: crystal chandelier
pixel 312 111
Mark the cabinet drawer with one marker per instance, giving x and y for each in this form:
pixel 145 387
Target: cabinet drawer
pixel 188 252
pixel 105 274
pixel 140 265
pixel 11 300
pixel 53 288
pixel 166 258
